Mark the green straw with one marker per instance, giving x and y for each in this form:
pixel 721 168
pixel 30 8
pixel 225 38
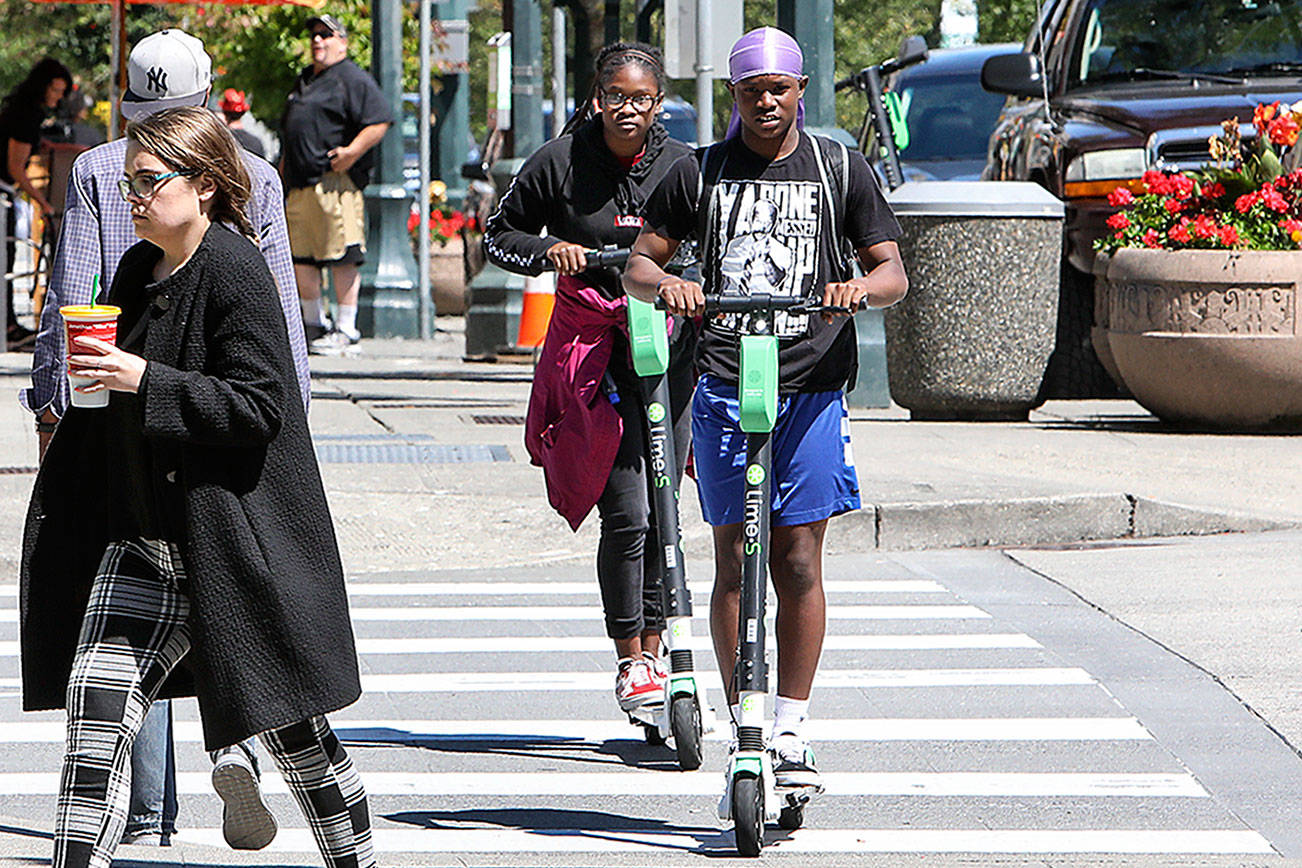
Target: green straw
pixel 94 289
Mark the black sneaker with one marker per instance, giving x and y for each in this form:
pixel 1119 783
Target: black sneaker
pixel 312 332
pixel 20 337
pixel 793 762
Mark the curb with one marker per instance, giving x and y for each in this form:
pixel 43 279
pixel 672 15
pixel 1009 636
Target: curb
pixel 1031 521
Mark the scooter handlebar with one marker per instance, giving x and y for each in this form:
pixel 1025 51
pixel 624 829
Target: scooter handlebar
pixel 748 303
pixel 602 258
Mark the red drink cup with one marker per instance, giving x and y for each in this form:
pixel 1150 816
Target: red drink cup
pixel 88 321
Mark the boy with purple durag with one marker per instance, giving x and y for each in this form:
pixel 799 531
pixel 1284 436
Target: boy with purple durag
pixel 773 209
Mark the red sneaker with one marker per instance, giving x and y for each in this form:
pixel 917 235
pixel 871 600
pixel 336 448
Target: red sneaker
pixel 634 684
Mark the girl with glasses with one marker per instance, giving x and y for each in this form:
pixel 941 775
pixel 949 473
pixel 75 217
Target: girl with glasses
pixel 178 541
pixel 586 427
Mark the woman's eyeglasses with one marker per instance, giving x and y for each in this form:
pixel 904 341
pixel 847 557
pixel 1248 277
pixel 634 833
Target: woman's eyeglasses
pixel 614 101
pixel 145 184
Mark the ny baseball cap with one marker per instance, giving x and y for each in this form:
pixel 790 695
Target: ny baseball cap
pixel 331 23
pixel 166 69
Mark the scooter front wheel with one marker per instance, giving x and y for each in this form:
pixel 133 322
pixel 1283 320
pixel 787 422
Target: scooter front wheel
pixel 748 814
pixel 685 721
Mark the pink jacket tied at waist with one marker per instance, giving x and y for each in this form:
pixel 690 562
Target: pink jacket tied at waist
pixel 572 431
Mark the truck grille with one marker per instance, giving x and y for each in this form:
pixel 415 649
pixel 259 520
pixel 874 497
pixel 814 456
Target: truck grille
pixel 1185 148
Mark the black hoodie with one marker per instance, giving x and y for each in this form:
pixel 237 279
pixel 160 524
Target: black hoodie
pixel 576 188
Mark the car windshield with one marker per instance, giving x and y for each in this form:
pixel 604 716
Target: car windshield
pixel 1136 39
pixel 948 118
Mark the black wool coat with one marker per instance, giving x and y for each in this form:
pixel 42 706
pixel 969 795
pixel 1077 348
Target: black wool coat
pixel 231 452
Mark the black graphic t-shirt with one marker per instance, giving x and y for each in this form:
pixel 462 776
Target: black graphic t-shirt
pixel 767 228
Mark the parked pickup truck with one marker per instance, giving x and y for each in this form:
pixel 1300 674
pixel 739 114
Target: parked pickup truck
pixel 1104 90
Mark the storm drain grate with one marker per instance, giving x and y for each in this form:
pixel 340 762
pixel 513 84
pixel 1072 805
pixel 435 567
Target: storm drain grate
pixel 16 471
pixel 409 453
pixel 481 419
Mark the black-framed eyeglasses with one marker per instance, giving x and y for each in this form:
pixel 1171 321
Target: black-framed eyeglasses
pixel 145 184
pixel 614 100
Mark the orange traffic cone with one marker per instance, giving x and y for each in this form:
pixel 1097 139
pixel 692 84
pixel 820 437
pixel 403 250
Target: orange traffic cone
pixel 536 312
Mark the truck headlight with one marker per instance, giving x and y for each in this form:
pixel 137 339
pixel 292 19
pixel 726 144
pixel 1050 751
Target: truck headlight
pixel 1098 173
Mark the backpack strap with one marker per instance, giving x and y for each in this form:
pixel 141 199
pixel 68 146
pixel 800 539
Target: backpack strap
pixel 835 184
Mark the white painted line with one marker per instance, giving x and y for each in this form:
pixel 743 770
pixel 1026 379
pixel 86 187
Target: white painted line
pixel 597 731
pixel 698 589
pixel 702 783
pixel 544 644
pixel 594 613
pixel 451 682
pixel 710 839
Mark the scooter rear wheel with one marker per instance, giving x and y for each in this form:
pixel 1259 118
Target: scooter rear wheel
pixel 792 817
pixel 685 721
pixel 748 814
pixel 651 733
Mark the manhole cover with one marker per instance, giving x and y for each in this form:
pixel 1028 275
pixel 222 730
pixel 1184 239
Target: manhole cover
pixel 409 453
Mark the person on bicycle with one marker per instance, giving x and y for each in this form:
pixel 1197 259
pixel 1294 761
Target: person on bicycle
pixel 585 426
pixel 820 198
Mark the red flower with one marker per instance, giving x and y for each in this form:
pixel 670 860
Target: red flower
pixel 1214 191
pixel 1263 114
pixel 1175 206
pixel 1274 201
pixel 1180 233
pixel 1118 221
pixel 1121 197
pixel 1158 183
pixel 1152 239
pixel 1229 237
pixel 1283 130
pixel 1204 226
pixel 1244 203
pixel 1182 186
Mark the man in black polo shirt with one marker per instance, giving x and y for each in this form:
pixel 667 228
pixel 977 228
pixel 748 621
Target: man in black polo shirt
pixel 334 116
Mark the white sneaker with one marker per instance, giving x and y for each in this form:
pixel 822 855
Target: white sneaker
pixel 793 762
pixel 247 823
pixel 336 343
pixel 634 684
pixel 656 669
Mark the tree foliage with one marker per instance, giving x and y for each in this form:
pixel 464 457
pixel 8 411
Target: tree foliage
pixel 1004 20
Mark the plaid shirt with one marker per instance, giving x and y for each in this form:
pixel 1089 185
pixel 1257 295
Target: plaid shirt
pixel 96 232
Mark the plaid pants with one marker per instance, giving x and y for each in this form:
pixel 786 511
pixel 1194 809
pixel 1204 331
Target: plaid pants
pixel 135 631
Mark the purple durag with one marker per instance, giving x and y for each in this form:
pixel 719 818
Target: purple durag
pixel 764 51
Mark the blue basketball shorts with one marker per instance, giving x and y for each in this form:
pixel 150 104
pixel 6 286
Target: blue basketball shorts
pixel 813 475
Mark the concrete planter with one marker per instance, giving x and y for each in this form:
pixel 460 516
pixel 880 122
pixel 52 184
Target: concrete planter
pixel 972 338
pixel 1099 331
pixel 1207 337
pixel 447 276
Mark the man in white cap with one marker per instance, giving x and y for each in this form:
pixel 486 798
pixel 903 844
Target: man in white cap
pixel 166 69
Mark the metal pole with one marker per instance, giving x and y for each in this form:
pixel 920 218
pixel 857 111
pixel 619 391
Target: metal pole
pixel 559 109
pixel 526 77
pixel 116 30
pixel 422 262
pixel 388 306
pixel 704 76
pixel 810 22
pixel 453 127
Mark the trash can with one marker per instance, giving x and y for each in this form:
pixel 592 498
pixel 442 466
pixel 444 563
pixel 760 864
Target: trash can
pixel 973 336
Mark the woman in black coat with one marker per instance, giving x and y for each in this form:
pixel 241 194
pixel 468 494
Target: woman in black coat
pixel 178 541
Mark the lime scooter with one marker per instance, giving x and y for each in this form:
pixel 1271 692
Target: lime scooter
pixel 677 715
pixel 751 797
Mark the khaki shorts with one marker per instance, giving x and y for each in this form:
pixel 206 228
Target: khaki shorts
pixel 326 222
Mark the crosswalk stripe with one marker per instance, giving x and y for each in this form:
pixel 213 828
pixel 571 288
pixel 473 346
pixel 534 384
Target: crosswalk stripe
pixel 442 682
pixel 703 783
pixel 597 731
pixel 594 613
pixel 710 839
pixel 545 644
pixel 359 588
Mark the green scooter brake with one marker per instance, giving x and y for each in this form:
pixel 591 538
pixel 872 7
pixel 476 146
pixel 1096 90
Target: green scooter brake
pixel 648 337
pixel 895 112
pixel 757 395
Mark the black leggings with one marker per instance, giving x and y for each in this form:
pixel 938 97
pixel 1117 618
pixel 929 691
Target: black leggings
pixel 628 566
